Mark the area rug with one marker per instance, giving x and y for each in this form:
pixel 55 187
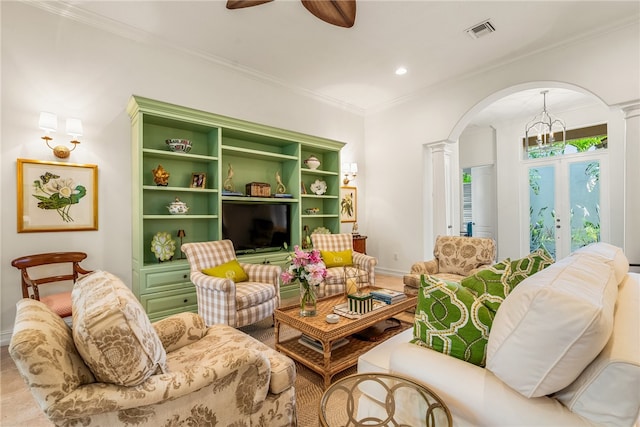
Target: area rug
pixel 309 384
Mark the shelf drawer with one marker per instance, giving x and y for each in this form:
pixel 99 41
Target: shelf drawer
pixel 163 304
pixel 155 281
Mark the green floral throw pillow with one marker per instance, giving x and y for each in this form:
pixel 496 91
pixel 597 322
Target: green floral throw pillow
pixel 451 320
pixel 490 285
pixel 529 265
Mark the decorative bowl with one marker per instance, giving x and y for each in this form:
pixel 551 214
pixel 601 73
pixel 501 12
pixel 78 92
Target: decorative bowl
pixel 179 145
pixel 312 162
pixel 312 211
pixel 178 207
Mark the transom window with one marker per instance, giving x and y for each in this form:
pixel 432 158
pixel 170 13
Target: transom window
pixel 588 138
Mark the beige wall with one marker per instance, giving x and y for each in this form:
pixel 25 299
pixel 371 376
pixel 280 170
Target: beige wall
pixel 54 64
pixel 399 218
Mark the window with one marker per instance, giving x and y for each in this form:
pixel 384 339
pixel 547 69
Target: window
pixel 577 141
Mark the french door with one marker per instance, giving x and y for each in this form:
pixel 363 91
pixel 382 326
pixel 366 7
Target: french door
pixel 567 208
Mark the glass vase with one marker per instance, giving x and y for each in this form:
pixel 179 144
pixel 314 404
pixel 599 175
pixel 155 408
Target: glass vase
pixel 308 299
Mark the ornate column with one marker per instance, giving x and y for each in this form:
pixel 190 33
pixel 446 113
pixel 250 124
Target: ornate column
pixel 438 206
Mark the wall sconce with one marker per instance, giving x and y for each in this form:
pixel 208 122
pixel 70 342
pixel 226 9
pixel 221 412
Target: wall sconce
pixel 350 170
pixel 49 123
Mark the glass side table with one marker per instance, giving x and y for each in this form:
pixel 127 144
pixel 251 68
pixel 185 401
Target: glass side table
pixel 378 399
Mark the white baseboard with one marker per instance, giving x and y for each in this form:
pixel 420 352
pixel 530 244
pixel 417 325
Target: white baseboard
pixel 5 337
pixel 389 272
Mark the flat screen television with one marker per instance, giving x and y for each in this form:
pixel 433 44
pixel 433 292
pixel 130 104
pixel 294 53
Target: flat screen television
pixel 254 227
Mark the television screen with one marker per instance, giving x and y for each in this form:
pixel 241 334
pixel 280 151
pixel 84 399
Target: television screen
pixel 253 226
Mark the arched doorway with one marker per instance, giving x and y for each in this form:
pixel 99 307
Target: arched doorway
pixel 512 201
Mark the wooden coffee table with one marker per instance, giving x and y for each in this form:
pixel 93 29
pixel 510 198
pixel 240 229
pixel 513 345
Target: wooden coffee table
pixel 330 362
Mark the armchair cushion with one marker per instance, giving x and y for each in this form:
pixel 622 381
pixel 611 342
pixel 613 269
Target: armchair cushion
pixel 113 333
pixel 229 270
pixel 42 346
pixel 451 320
pixel 179 330
pixel 460 255
pixel 337 258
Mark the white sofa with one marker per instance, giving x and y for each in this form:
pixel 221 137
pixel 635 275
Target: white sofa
pixel 600 391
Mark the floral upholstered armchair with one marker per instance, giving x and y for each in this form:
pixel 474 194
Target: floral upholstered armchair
pixel 455 257
pixel 332 244
pixel 117 368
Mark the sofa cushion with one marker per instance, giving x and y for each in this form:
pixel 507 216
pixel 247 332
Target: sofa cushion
pixel 231 270
pixel 529 265
pixel 490 285
pixel 552 325
pixel 607 392
pixel 451 320
pixel 337 258
pixel 113 333
pixel 611 255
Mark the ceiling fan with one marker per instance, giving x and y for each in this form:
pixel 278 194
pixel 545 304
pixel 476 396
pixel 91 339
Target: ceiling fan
pixel 337 12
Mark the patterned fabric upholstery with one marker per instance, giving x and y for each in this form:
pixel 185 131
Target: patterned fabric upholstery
pixel 217 376
pixel 455 257
pixel 113 333
pixel 224 301
pixel 334 282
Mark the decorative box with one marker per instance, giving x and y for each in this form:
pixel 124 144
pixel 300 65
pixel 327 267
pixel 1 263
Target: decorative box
pixel 258 189
pixel 360 303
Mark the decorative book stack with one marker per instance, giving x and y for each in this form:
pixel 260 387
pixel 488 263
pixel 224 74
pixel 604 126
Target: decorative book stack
pixel 388 296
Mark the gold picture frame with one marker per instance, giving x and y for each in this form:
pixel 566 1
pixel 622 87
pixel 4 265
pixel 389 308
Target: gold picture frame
pixel 348 204
pixel 198 180
pixel 56 196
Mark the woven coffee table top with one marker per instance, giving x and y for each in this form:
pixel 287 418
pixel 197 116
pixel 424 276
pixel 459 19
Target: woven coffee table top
pixel 318 327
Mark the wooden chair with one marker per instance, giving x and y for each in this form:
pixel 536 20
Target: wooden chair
pixel 59 302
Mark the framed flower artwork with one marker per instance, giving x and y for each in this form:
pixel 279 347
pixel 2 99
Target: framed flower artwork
pixel 56 196
pixel 348 204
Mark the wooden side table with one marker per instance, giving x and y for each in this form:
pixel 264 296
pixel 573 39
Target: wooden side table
pixel 360 243
pixel 379 399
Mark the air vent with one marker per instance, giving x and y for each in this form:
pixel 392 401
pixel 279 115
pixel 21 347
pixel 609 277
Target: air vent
pixel 481 29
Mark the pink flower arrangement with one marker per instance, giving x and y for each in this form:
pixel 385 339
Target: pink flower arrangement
pixel 307 267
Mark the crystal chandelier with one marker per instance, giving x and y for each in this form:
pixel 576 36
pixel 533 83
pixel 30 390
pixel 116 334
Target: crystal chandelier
pixel 546 127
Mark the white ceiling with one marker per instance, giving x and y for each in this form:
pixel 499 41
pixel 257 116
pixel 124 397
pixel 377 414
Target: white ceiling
pixel 281 42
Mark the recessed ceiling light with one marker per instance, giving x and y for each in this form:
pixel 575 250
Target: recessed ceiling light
pixel 401 71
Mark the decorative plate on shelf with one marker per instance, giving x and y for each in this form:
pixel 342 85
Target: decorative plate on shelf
pixel 321 230
pixel 163 246
pixel 319 187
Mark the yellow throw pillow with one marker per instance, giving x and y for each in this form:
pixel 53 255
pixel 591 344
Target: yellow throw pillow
pixel 229 270
pixel 337 258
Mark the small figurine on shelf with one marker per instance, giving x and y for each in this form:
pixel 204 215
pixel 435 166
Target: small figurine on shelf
pixel 306 240
pixel 280 188
pixel 228 183
pixel 160 176
pixel 354 230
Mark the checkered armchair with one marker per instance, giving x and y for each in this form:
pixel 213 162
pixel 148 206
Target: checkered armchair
pixel 334 282
pixel 224 301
